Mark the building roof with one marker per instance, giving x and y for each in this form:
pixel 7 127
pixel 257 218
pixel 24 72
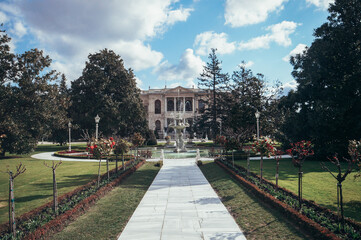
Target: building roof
pixel 173 90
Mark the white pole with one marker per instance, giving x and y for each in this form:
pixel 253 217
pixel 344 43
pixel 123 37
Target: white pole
pixel 257 128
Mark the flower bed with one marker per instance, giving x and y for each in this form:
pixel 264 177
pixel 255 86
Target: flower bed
pixel 41 223
pixel 316 220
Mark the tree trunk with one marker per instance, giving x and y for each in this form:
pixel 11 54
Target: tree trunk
pixel 108 169
pixel 341 204
pixel 116 163
pixel 277 170
pixel 99 172
pixel 261 167
pixel 248 164
pixel 55 194
pixel 233 158
pixel 300 187
pixel 123 166
pixel 12 223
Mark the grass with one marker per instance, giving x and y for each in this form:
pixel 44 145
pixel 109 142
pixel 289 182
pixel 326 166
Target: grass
pixel 256 220
pixel 318 185
pixel 34 187
pixel 111 213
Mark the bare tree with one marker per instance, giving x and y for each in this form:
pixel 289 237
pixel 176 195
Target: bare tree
pixel 55 188
pixel 19 170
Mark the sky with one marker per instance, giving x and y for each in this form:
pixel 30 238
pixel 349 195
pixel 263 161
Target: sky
pixel 167 42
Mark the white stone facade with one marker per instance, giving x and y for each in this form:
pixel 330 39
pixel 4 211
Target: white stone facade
pixel 161 105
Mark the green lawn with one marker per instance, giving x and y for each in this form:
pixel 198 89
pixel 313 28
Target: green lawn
pixel 111 213
pixel 318 185
pixel 34 187
pixel 256 220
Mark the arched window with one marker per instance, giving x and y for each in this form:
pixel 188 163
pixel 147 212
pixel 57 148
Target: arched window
pixel 157 125
pixel 189 104
pixel 157 107
pixel 170 105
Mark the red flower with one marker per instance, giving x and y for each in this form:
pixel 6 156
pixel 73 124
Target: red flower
pixel 111 139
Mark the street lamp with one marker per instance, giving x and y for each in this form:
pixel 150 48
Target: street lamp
pixel 97 119
pixel 69 126
pixel 257 114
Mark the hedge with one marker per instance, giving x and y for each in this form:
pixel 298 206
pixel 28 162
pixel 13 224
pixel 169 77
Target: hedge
pixel 318 221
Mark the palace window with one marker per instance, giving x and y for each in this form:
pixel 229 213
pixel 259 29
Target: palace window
pixel 157 125
pixel 189 104
pixel 157 107
pixel 170 105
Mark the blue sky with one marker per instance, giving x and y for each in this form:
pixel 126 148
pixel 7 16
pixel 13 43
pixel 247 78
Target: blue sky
pixel 167 41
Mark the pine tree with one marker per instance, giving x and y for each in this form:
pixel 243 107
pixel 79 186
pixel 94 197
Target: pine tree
pixel 213 79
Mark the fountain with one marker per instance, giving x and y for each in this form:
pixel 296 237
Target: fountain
pixel 198 156
pixel 179 126
pixel 162 155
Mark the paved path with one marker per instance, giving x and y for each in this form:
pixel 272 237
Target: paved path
pixel 51 157
pixel 181 204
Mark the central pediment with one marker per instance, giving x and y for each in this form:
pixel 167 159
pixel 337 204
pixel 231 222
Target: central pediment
pixel 179 89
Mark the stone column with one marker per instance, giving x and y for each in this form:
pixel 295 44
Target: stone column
pixel 175 103
pixel 184 104
pixel 193 108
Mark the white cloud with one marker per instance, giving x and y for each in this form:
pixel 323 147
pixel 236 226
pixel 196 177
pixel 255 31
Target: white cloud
pixel 207 40
pixel 297 50
pixel 3 18
pixel 287 87
pixel 139 82
pixel 246 64
pixel 19 30
pixel 280 34
pixel 179 15
pixel 188 69
pixel 322 4
pixel 244 12
pixel 73 29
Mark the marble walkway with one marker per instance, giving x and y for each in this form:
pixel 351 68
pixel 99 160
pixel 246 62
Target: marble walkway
pixel 181 204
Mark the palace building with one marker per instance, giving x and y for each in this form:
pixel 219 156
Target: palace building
pixel 161 106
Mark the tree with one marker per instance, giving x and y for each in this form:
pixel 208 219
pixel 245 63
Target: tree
pixel 246 94
pixel 108 89
pixel 213 79
pixel 137 141
pixel 55 187
pixel 27 91
pixel 328 73
pixel 122 146
pixel 59 106
pixel 354 150
pixel 265 148
pixel 27 107
pixel 243 96
pixel 20 169
pixel 299 152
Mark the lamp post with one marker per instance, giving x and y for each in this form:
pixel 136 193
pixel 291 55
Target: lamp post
pixel 97 119
pixel 69 126
pixel 257 114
